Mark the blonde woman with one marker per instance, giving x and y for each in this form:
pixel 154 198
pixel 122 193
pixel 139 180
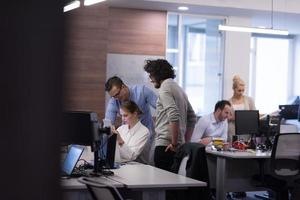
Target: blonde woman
pixel 238 101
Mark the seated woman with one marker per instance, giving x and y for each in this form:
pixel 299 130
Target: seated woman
pixel 132 136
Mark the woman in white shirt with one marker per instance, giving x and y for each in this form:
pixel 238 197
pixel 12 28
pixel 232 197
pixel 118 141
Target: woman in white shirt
pixel 238 101
pixel 132 136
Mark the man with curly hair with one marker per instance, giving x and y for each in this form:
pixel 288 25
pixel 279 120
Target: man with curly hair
pixel 175 117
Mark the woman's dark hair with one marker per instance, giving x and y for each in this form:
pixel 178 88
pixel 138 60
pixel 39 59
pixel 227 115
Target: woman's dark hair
pixel 159 69
pixel 131 107
pixel 113 81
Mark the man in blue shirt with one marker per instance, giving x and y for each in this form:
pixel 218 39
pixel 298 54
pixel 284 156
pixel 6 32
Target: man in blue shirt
pixel 213 125
pixel 140 94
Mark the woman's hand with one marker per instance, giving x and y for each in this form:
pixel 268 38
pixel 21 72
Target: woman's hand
pixel 119 138
pixel 113 129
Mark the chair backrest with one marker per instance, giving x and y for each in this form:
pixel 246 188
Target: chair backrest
pixel 285 158
pixel 182 167
pixel 100 190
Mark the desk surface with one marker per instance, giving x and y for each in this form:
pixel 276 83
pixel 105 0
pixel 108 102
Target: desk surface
pixel 138 176
pixel 74 184
pixel 146 176
pixel 233 171
pixel 239 154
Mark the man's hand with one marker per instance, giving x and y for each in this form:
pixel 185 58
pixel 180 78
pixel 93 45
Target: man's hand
pixel 206 140
pixel 171 148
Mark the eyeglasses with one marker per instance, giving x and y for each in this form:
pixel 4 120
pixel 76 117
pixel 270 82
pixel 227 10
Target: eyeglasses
pixel 118 93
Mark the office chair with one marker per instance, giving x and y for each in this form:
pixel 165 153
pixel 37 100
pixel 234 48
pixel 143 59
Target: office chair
pixel 190 160
pixel 285 163
pixel 100 190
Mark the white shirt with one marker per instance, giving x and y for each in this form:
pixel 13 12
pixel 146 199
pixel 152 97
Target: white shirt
pixel 207 126
pixel 135 140
pixel 239 106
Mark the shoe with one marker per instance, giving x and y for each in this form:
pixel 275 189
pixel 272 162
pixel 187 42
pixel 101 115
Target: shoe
pixel 239 195
pixel 228 196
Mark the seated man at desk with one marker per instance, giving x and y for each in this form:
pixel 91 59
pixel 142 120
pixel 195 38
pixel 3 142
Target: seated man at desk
pixel 132 136
pixel 213 125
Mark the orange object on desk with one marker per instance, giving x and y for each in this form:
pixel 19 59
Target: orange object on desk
pixel 239 145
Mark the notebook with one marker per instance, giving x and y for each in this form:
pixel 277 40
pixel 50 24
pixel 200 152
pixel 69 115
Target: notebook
pixel 71 159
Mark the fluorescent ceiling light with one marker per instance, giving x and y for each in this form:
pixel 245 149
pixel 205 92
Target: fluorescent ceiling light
pixel 91 2
pixel 253 30
pixel 182 8
pixel 72 5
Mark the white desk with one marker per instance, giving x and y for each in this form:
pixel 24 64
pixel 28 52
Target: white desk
pixel 233 171
pixel 293 122
pixel 74 190
pixel 150 181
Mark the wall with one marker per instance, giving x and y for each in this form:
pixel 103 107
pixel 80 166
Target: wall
pixel 30 79
pixel 139 32
pixel 237 55
pixel 85 58
pixel 93 32
pixel 297 67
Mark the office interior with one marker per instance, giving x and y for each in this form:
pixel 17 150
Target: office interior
pixel 49 55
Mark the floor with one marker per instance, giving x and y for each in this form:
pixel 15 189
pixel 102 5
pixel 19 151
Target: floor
pixel 251 196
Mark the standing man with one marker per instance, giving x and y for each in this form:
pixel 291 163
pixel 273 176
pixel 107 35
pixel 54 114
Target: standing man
pixel 175 118
pixel 140 94
pixel 213 125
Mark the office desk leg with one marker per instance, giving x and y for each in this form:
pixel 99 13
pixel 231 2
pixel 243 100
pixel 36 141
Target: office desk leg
pixel 220 176
pixel 155 194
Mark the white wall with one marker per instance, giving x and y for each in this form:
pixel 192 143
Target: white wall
pixel 297 67
pixel 237 55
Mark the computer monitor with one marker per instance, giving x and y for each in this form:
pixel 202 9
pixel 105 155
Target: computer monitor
pixel 246 122
pixel 107 151
pixel 80 127
pixel 83 128
pixel 289 111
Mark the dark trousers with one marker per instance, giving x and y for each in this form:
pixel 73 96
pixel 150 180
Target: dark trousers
pixel 162 159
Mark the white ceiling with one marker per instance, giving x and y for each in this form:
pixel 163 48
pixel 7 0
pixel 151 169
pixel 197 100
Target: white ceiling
pixel 286 13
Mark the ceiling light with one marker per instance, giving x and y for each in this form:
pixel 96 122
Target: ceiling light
pixel 253 30
pixel 261 30
pixel 183 8
pixel 91 2
pixel 72 5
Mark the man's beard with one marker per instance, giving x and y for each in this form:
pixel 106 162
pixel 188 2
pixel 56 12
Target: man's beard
pixel 157 85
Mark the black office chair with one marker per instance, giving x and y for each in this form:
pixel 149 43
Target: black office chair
pixel 100 190
pixel 285 164
pixel 190 160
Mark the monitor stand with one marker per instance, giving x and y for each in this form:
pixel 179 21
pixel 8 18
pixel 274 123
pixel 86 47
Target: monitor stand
pixel 252 144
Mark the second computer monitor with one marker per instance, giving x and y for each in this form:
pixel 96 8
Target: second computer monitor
pixel 246 122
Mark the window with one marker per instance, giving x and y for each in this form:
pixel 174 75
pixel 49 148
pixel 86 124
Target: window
pixel 195 49
pixel 270 71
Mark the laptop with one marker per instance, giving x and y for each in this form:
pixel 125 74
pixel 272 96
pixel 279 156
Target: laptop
pixel 71 160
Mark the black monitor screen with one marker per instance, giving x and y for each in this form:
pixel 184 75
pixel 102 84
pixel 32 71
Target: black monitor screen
pixel 289 111
pixel 107 150
pixel 80 128
pixel 246 122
